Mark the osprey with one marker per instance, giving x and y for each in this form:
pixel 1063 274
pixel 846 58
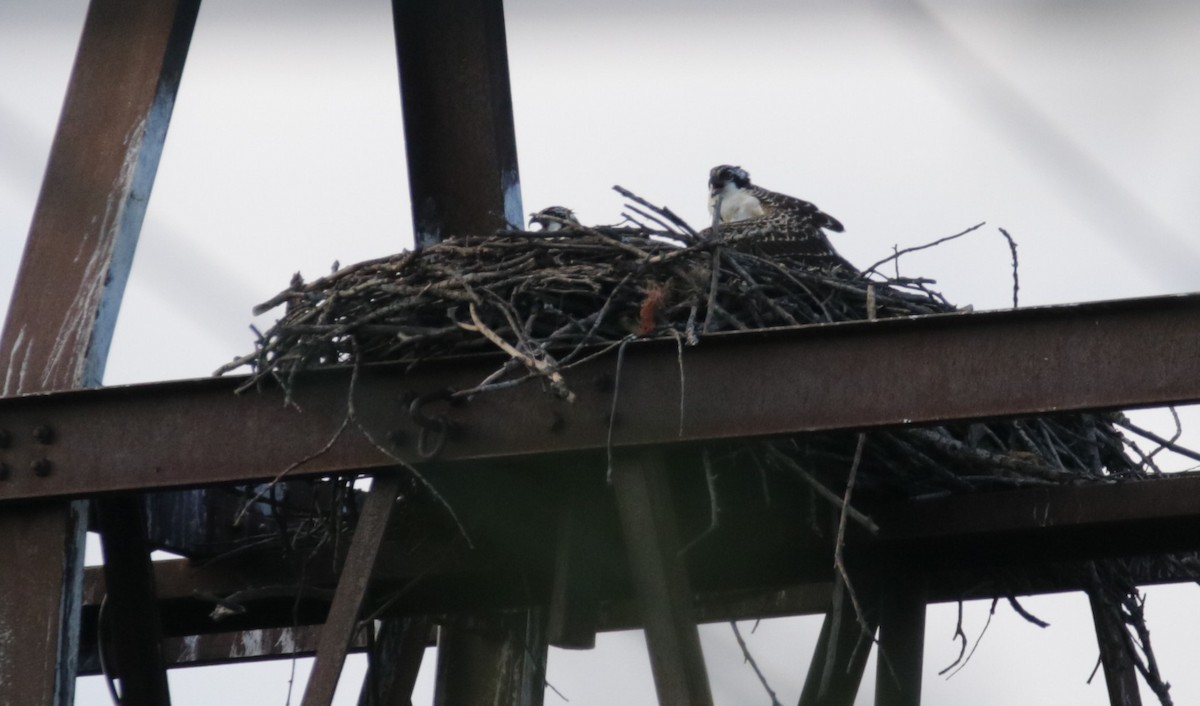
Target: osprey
pixel 554 218
pixel 757 220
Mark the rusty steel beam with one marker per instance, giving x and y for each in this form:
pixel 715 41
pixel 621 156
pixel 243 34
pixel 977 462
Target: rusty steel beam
pixel 458 120
pixel 1059 523
pixel 342 621
pixel 660 578
pixel 1103 355
pixel 213 649
pixel 63 310
pixel 93 197
pixel 274 638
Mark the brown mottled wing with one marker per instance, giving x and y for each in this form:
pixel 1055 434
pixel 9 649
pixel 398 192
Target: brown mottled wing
pixel 777 237
pixel 792 228
pixel 800 211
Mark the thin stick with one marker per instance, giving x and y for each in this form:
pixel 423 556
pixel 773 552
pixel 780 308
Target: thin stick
pixel 549 370
pixel 838 560
pixel 978 640
pixel 826 493
pixel 714 507
pixel 663 211
pixel 896 255
pixel 612 411
pixel 713 287
pixel 749 658
pixel 1182 451
pixel 1012 601
pixel 1012 246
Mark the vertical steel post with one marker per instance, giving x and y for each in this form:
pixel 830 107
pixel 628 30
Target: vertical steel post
pixel 847 653
pixel 574 604
pixel 500 661
pixel 131 604
pixel 901 641
pixel 395 662
pixel 660 578
pixel 63 310
pixel 458 121
pixel 463 179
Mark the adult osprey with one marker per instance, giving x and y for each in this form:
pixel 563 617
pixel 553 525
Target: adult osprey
pixel 769 223
pixel 554 218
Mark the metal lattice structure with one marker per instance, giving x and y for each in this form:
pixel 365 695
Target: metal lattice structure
pixel 68 451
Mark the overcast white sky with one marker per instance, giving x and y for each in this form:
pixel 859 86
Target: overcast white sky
pixel 1072 124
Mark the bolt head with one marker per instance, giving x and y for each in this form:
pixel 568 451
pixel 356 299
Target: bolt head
pixel 43 434
pixel 41 467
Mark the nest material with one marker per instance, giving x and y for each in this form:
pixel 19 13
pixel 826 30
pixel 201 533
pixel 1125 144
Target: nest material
pixel 549 301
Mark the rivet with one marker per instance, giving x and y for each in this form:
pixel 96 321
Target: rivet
pixel 43 435
pixel 41 467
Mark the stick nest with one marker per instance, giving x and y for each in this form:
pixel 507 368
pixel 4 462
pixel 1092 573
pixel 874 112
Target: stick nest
pixel 549 301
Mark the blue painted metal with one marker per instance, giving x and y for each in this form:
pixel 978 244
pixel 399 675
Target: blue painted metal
pixel 63 311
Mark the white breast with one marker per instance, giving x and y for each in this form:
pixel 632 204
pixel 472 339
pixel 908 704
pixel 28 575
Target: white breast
pixel 736 204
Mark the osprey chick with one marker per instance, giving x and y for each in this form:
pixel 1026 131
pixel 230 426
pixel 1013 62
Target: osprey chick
pixel 553 218
pixel 753 218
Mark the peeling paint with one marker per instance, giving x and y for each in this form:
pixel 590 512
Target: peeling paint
pixel 79 318
pixel 286 642
pixel 12 365
pixel 189 649
pixel 248 644
pixel 510 185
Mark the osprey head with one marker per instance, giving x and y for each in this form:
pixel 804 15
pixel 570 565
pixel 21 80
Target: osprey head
pixel 554 218
pixel 721 177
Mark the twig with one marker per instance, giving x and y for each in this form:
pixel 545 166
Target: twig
pixel 539 366
pixel 1012 246
pixel 1012 601
pixel 896 255
pixel 612 411
pixel 1174 437
pixel 714 506
pixel 958 635
pixel 964 662
pixel 663 211
pixel 754 665
pixel 713 288
pixel 1167 443
pixel 237 519
pixel 833 498
pixel 840 544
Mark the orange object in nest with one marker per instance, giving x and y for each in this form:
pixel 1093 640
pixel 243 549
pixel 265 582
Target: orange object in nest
pixel 656 294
